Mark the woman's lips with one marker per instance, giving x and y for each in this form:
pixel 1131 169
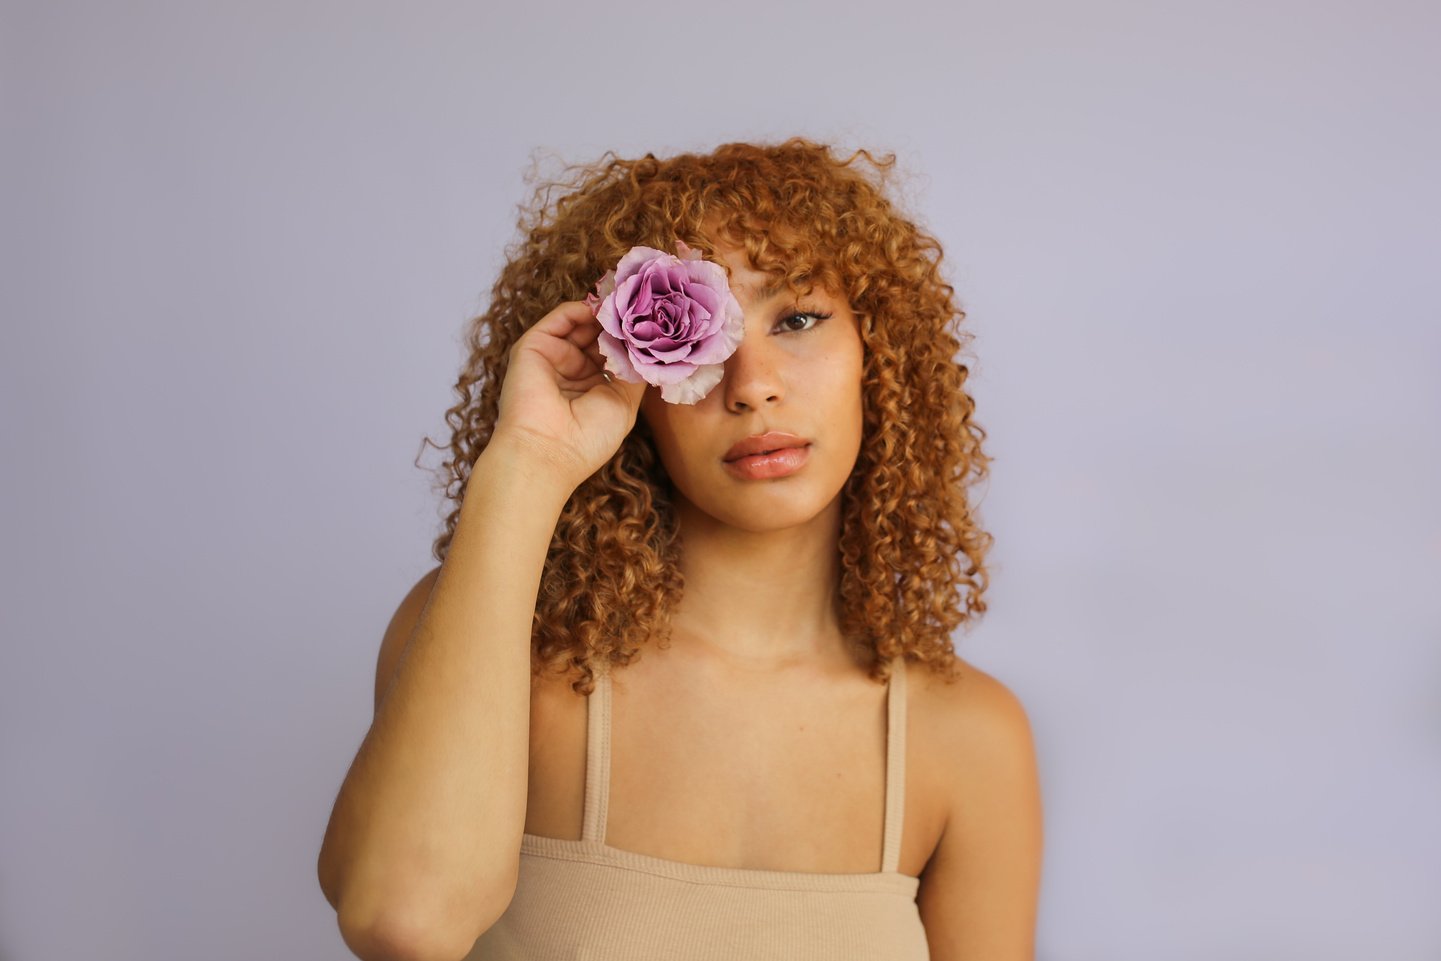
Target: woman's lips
pixel 778 463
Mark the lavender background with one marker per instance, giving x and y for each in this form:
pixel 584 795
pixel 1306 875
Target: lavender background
pixel 1198 246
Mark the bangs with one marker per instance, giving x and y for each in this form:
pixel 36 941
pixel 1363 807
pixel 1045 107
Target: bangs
pixel 779 250
pixel 799 214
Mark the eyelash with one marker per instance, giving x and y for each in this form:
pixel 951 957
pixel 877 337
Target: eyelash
pixel 820 317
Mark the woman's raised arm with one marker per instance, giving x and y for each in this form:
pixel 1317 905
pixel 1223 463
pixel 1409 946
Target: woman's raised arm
pixel 423 845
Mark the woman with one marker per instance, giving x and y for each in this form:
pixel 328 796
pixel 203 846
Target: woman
pixel 745 733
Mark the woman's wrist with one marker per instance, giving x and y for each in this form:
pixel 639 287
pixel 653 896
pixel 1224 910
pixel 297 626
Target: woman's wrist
pixel 528 479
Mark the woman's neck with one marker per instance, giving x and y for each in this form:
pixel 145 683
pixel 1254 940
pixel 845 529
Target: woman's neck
pixel 759 601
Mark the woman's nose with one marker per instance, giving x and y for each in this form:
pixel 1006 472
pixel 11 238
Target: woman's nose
pixel 752 374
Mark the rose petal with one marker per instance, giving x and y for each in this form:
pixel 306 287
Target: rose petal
pixel 621 309
pixel 661 374
pixel 669 315
pixel 711 274
pixel 617 358
pixel 670 354
pixel 634 259
pixel 706 296
pixel 693 388
pixel 663 277
pixel 641 299
pixel 716 348
pixel 609 317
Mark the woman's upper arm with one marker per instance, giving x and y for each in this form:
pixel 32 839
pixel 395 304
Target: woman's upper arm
pixel 397 634
pixel 979 893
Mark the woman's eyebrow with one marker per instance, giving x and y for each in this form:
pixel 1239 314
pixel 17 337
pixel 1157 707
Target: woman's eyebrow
pixel 766 292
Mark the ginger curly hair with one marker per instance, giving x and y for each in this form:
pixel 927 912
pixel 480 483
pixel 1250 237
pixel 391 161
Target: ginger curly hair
pixel 803 214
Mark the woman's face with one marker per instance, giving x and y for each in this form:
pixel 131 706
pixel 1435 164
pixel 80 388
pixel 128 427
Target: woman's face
pixel 797 372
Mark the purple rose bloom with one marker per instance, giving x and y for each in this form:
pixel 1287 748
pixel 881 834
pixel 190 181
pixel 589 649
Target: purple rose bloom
pixel 669 321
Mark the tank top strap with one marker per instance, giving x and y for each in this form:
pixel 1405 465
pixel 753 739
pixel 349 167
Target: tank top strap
pixel 597 758
pixel 895 765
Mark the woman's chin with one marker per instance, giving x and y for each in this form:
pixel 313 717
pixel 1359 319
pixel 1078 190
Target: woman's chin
pixel 769 511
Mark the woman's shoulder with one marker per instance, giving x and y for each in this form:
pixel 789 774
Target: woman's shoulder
pixel 960 725
pixel 980 762
pixel 973 691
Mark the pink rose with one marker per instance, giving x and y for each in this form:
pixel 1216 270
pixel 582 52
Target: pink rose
pixel 669 321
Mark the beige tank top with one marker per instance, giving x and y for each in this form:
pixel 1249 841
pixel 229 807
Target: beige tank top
pixel 587 900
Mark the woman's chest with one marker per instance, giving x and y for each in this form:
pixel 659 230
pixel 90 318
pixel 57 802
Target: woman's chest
pixel 772 781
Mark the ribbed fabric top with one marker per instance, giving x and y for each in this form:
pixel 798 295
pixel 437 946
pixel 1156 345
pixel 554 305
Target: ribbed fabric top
pixel 586 899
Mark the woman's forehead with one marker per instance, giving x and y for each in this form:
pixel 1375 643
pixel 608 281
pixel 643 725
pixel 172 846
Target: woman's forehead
pixel 748 284
pixel 757 288
pixel 763 292
pixel 764 288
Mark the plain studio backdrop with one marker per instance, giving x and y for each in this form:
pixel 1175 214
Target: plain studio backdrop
pixel 1198 248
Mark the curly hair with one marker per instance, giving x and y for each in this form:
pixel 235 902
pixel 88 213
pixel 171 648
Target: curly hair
pixel 804 215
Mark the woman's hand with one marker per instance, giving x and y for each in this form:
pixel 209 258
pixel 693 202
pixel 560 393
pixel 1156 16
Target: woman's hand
pixel 557 403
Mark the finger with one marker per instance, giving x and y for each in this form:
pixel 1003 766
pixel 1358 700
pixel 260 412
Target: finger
pixel 578 326
pixel 584 384
pixel 633 392
pixel 592 350
pixel 584 335
pixel 568 319
pixel 568 361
